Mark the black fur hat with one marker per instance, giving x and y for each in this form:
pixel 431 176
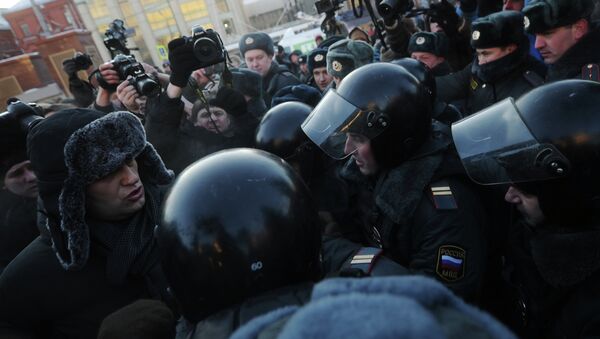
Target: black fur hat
pixel 258 40
pixel 91 152
pixel 317 58
pixel 428 42
pixel 498 30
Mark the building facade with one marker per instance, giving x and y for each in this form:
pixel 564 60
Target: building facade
pixel 153 23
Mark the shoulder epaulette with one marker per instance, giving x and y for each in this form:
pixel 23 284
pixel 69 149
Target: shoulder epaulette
pixel 363 261
pixel 591 72
pixel 442 196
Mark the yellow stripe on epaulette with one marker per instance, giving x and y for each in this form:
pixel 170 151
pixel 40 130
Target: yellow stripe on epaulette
pixel 442 196
pixel 474 84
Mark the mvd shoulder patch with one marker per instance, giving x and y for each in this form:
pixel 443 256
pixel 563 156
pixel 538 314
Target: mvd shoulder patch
pixel 442 196
pixel 450 264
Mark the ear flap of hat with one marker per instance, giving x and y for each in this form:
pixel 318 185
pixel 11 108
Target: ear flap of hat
pixel 153 168
pixel 72 212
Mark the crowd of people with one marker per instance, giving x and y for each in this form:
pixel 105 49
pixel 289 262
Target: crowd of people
pixel 441 183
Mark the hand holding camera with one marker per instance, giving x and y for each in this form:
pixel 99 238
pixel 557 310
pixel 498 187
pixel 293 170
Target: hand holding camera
pixel 128 96
pixel 79 62
pixel 126 67
pixel 187 54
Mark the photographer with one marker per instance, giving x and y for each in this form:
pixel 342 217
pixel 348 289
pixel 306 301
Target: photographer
pixel 82 91
pixel 119 89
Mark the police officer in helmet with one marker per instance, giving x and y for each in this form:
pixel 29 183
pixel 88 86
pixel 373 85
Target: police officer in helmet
pixel 240 237
pixel 408 193
pixel 545 146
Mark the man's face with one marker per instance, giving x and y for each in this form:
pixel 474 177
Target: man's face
pixel 219 117
pixel 20 180
pixel 360 148
pixel 485 55
pixel 322 78
pixel 554 43
pixel 429 59
pixel 258 61
pixel 527 204
pixel 118 195
pixel 513 5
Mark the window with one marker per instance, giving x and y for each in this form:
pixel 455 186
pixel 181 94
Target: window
pixel 161 18
pixel 194 10
pixel 25 30
pixel 222 6
pixel 98 9
pixel 69 16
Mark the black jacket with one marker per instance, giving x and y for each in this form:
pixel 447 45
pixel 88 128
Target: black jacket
pixel 179 143
pixel 555 277
pixel 39 296
pixel 17 225
pixel 224 323
pixel 509 80
pixel 277 78
pixel 399 212
pixel 584 52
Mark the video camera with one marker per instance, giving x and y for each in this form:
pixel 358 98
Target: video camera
pixel 391 9
pixel 127 65
pixel 208 46
pixel 116 40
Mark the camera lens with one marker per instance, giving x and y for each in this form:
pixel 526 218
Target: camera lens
pixel 387 7
pixel 205 50
pixel 146 86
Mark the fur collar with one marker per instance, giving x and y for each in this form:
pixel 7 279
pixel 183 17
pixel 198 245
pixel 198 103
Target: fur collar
pixel 565 259
pixel 399 190
pixel 584 52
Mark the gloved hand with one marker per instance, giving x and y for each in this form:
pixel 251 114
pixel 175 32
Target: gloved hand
pixel 444 14
pixel 183 62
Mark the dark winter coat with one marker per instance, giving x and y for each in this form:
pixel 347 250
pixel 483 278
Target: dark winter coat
pixel 512 78
pixel 277 78
pixel 555 277
pixel 17 225
pixel 399 212
pixel 584 52
pixel 224 323
pixel 179 143
pixel 38 295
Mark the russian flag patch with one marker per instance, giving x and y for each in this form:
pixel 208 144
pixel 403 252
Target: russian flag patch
pixel 451 263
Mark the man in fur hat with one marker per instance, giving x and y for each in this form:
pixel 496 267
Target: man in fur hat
pixel 99 180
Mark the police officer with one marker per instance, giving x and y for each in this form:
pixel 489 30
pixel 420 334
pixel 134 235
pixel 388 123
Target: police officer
pixel 566 37
pixel 407 195
pixel 346 55
pixel 430 49
pixel 231 249
pixel 545 146
pixel 503 67
pixel 257 50
pixel 317 66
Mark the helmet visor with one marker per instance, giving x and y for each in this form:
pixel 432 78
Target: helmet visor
pixel 496 147
pixel 333 120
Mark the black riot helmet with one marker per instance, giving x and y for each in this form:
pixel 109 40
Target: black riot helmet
pixel 235 224
pixel 279 133
pixel 546 142
pixel 420 71
pixel 380 101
